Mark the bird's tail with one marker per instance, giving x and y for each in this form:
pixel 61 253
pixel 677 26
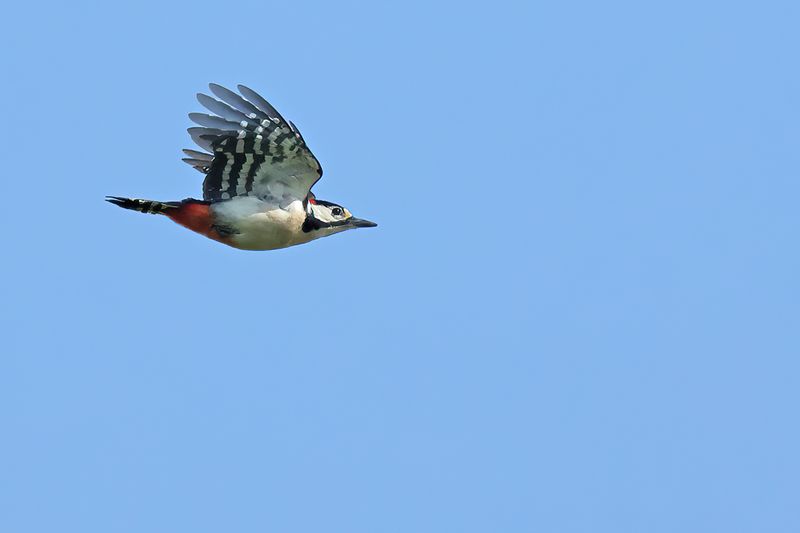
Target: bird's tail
pixel 143 206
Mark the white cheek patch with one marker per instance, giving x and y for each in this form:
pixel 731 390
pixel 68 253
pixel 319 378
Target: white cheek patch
pixel 322 213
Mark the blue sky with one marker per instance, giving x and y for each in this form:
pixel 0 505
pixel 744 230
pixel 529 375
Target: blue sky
pixel 579 312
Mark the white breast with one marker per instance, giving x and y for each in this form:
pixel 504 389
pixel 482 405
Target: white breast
pixel 259 225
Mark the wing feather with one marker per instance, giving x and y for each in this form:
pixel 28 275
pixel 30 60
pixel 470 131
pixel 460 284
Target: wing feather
pixel 211 121
pixel 232 99
pixel 260 102
pixel 222 109
pixel 198 155
pixel 255 151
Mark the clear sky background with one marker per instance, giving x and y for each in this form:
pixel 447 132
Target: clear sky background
pixel 579 312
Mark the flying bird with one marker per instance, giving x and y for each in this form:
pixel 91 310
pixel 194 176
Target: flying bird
pixel 258 178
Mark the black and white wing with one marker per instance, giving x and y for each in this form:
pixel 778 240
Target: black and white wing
pixel 254 151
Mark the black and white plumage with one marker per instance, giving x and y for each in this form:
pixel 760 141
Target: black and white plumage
pixel 255 151
pixel 259 173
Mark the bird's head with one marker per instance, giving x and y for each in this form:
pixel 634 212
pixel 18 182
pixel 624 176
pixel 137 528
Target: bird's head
pixel 326 218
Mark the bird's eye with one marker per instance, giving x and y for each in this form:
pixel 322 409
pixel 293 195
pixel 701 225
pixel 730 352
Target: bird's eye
pixel 337 211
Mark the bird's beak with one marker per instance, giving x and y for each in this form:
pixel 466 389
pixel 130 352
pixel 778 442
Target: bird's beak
pixel 360 223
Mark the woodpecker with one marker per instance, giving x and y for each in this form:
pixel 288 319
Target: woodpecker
pixel 258 178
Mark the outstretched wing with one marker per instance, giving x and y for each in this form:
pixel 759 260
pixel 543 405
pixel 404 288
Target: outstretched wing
pixel 254 151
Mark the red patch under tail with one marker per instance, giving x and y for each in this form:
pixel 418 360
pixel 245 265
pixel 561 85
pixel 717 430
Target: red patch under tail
pixel 196 216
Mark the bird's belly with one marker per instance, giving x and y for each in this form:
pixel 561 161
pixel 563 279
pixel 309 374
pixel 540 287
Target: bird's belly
pixel 268 231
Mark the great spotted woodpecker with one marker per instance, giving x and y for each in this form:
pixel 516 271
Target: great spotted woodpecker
pixel 259 173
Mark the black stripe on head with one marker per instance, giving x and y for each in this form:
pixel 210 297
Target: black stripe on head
pixel 326 204
pixel 312 224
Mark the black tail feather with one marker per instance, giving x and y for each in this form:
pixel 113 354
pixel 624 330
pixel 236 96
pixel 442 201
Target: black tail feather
pixel 143 206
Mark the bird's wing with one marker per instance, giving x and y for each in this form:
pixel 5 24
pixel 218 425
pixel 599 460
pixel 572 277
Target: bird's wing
pixel 254 151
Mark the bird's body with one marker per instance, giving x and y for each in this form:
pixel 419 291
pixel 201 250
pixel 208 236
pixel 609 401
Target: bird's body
pixel 257 191
pixel 260 225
